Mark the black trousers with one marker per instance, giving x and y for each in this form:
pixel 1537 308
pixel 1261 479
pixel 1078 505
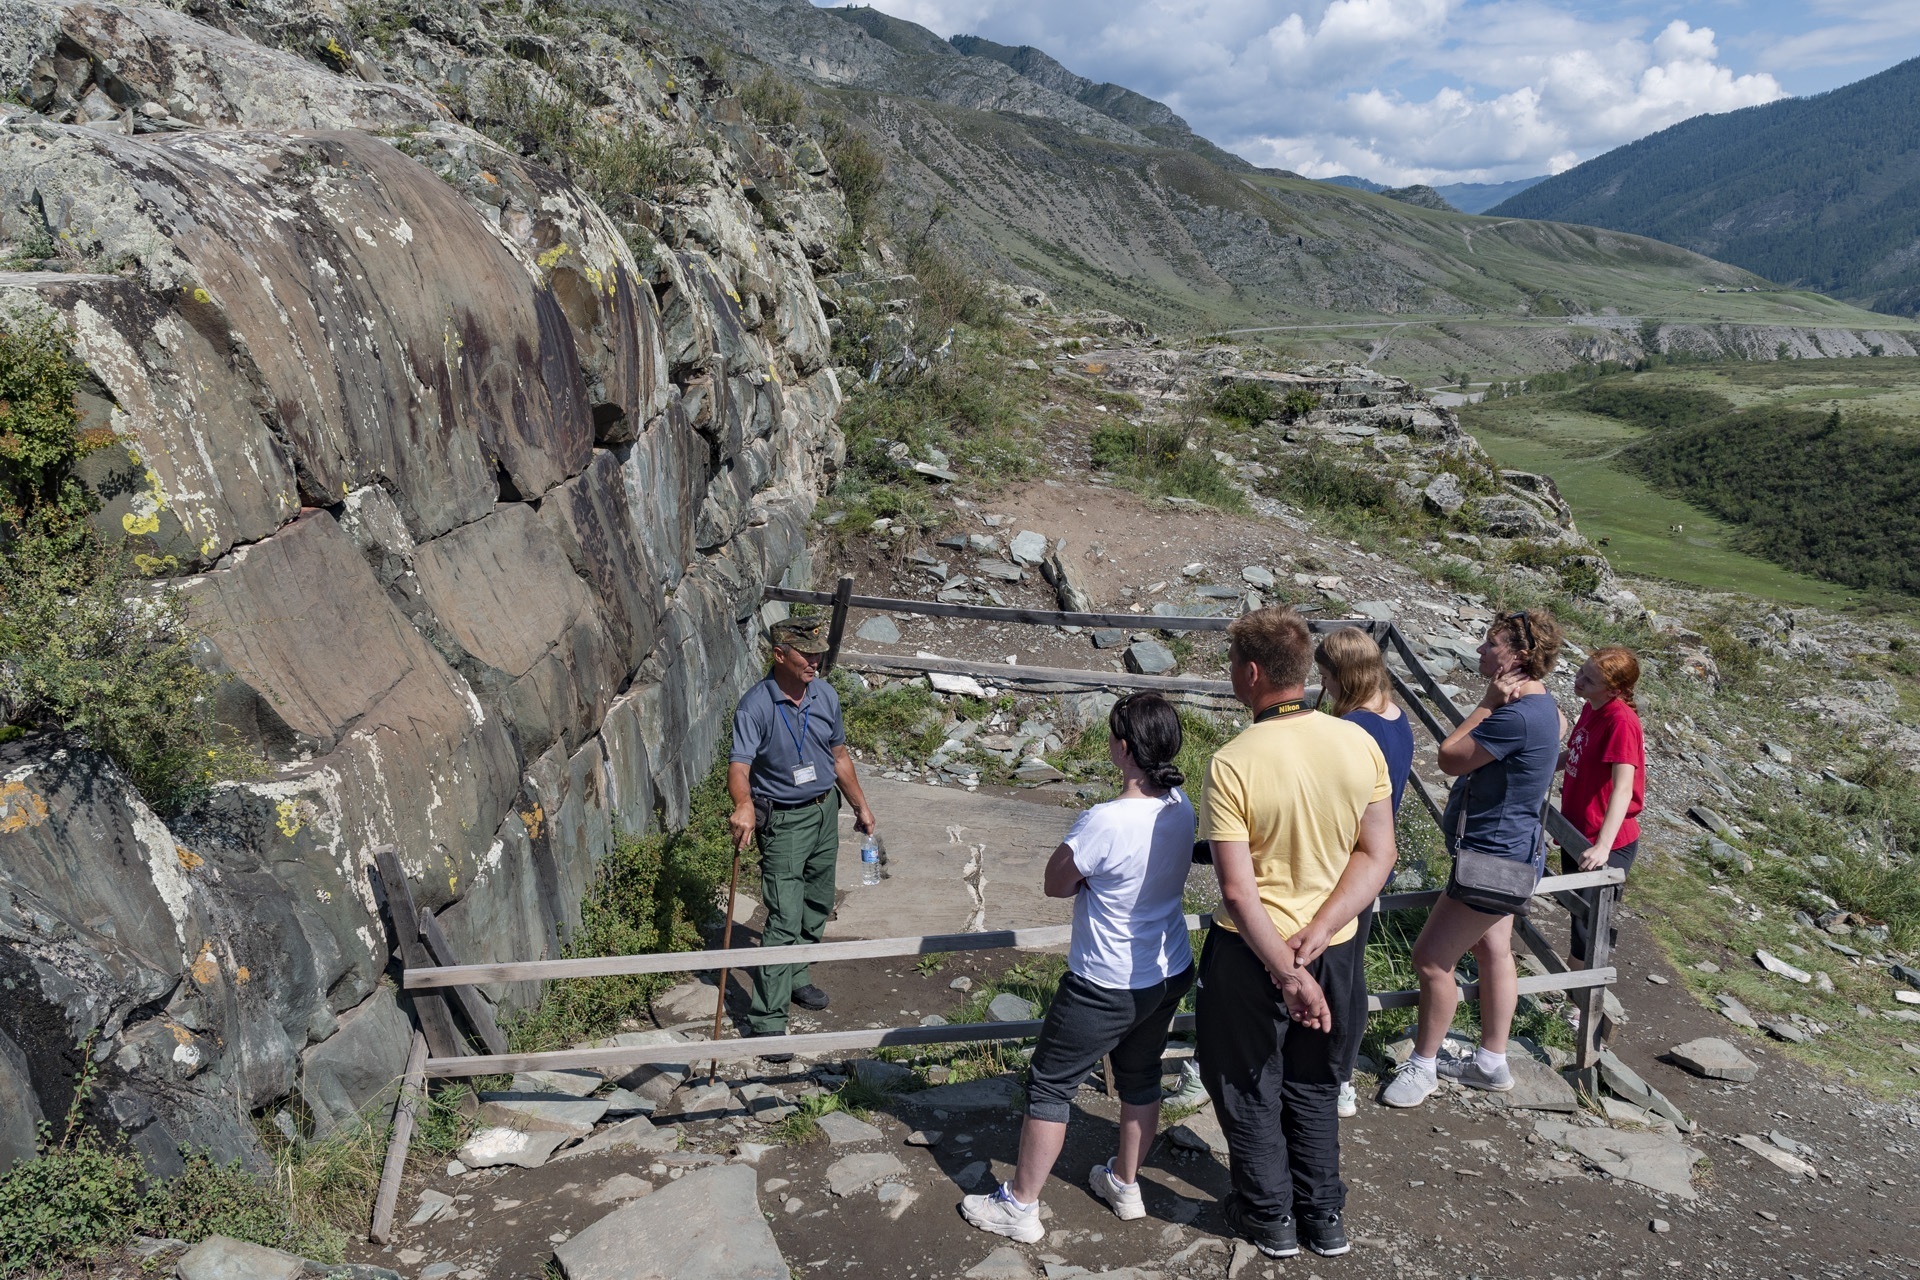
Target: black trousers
pixel 1274 1083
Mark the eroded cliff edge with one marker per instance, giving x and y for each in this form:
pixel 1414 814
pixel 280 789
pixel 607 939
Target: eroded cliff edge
pixel 473 506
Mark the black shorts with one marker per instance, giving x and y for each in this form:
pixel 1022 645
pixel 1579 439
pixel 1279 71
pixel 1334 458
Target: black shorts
pixel 1084 1024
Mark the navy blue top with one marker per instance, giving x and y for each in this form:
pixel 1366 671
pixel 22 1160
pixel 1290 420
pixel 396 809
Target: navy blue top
pixel 1502 798
pixel 775 736
pixel 1396 744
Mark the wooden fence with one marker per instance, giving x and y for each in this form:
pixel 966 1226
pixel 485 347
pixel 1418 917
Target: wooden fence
pixel 430 971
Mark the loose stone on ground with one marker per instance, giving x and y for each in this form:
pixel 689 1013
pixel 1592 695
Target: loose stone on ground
pixel 706 1226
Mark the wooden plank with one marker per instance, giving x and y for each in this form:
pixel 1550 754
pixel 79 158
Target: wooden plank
pixel 1425 677
pixel 1537 943
pixel 412 1090
pixel 1001 673
pixel 859 948
pixel 1435 808
pixel 743 957
pixel 836 629
pixel 436 1020
pixel 1587 1040
pixel 828 1042
pixel 1549 886
pixel 1043 617
pixel 1590 980
pixel 474 1005
pixel 1415 704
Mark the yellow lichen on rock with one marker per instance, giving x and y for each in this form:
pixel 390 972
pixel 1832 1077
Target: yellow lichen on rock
pixel 553 255
pixel 20 807
pixel 287 818
pixel 189 860
pixel 205 969
pixel 533 817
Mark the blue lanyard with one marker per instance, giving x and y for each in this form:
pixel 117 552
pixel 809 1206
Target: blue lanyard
pixel 799 738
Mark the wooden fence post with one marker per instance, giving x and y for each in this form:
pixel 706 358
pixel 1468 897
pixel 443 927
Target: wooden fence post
pixel 841 595
pixel 430 1007
pixel 1592 1001
pixel 412 1089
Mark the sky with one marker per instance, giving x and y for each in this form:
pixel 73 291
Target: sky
pixel 1441 91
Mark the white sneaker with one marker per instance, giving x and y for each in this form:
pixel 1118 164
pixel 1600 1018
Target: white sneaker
pixel 1468 1072
pixel 1409 1087
pixel 1125 1201
pixel 998 1213
pixel 1347 1106
pixel 1191 1093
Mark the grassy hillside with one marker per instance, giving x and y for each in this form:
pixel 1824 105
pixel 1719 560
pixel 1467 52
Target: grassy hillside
pixel 1820 192
pixel 1812 465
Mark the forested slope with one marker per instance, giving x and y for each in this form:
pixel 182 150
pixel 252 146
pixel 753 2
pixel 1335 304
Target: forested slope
pixel 1820 193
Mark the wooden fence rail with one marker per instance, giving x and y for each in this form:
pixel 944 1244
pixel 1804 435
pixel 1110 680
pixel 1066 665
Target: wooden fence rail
pixel 859 948
pixel 689 1051
pixel 438 1050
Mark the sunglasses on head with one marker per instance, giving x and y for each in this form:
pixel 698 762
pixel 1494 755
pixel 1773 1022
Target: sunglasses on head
pixel 1526 629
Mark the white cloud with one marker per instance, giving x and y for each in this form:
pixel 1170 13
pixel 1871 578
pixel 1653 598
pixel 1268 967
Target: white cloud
pixel 1399 90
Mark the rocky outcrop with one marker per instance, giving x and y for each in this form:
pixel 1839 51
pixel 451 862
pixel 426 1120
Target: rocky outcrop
pixel 472 505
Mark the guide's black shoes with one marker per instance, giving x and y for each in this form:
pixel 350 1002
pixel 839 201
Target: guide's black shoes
pixel 1325 1234
pixel 1275 1239
pixel 810 998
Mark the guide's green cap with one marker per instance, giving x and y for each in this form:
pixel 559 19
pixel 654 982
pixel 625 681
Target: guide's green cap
pixel 808 635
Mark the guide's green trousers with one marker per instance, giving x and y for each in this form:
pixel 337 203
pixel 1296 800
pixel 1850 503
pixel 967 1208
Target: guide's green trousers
pixel 797 857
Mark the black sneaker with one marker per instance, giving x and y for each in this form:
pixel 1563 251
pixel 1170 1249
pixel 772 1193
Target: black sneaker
pixel 810 997
pixel 1275 1239
pixel 1326 1234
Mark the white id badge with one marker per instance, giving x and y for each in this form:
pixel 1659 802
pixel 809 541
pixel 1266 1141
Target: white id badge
pixel 805 773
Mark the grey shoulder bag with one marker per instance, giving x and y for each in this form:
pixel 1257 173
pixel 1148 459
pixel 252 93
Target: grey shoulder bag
pixel 1489 882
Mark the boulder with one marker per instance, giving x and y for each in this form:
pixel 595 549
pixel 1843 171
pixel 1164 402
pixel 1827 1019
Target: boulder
pixel 1654 1160
pixel 1511 517
pixel 1150 658
pixel 846 1130
pixel 1069 583
pixel 879 629
pixel 223 1258
pixel 1714 1059
pixel 1445 494
pixel 861 1170
pixel 20 1114
pixel 362 1060
pixel 1007 1007
pixel 1028 547
pixel 705 1226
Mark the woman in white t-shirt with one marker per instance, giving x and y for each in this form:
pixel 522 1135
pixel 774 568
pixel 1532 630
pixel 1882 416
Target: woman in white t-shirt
pixel 1125 865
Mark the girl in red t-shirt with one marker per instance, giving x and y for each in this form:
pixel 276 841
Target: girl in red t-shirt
pixel 1606 767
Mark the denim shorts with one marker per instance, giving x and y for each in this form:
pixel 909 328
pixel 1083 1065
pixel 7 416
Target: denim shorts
pixel 1084 1024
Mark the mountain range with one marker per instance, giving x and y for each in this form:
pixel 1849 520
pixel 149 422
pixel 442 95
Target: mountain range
pixel 1108 199
pixel 1467 197
pixel 1821 192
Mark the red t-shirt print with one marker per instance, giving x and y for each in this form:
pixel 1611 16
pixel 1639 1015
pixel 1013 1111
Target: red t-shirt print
pixel 1600 740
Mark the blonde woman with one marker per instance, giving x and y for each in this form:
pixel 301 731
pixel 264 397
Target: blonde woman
pixel 1354 686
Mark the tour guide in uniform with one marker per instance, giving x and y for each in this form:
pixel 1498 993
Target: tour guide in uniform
pixel 789 753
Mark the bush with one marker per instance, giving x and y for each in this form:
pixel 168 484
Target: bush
pixel 1245 402
pixel 85 647
pixel 79 1200
pixel 622 168
pixel 773 100
pixel 859 166
pixel 1317 478
pixel 39 422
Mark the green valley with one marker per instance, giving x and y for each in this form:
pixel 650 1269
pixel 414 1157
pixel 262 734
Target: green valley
pixel 1798 480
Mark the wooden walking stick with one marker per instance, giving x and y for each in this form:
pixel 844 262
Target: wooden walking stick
pixel 726 941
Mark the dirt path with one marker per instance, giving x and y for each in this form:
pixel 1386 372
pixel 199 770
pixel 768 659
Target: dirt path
pixel 1460 1187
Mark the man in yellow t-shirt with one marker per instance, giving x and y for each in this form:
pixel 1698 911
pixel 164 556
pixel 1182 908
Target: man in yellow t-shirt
pixel 1299 817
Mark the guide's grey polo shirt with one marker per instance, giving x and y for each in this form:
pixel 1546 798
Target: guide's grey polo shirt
pixel 768 735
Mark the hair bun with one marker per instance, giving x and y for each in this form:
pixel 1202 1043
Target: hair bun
pixel 1166 775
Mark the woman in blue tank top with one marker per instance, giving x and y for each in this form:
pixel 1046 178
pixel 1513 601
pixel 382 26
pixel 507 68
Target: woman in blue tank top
pixel 1354 686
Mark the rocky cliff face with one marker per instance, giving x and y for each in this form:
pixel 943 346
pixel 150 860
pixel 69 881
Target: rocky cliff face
pixel 473 505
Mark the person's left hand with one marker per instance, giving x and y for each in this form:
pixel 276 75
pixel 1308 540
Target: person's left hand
pixel 1593 859
pixel 863 820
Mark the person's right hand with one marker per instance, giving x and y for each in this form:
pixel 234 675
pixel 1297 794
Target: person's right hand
pixel 742 825
pixel 1306 1002
pixel 1503 689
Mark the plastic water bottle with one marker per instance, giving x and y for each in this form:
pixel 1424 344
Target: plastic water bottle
pixel 873 859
